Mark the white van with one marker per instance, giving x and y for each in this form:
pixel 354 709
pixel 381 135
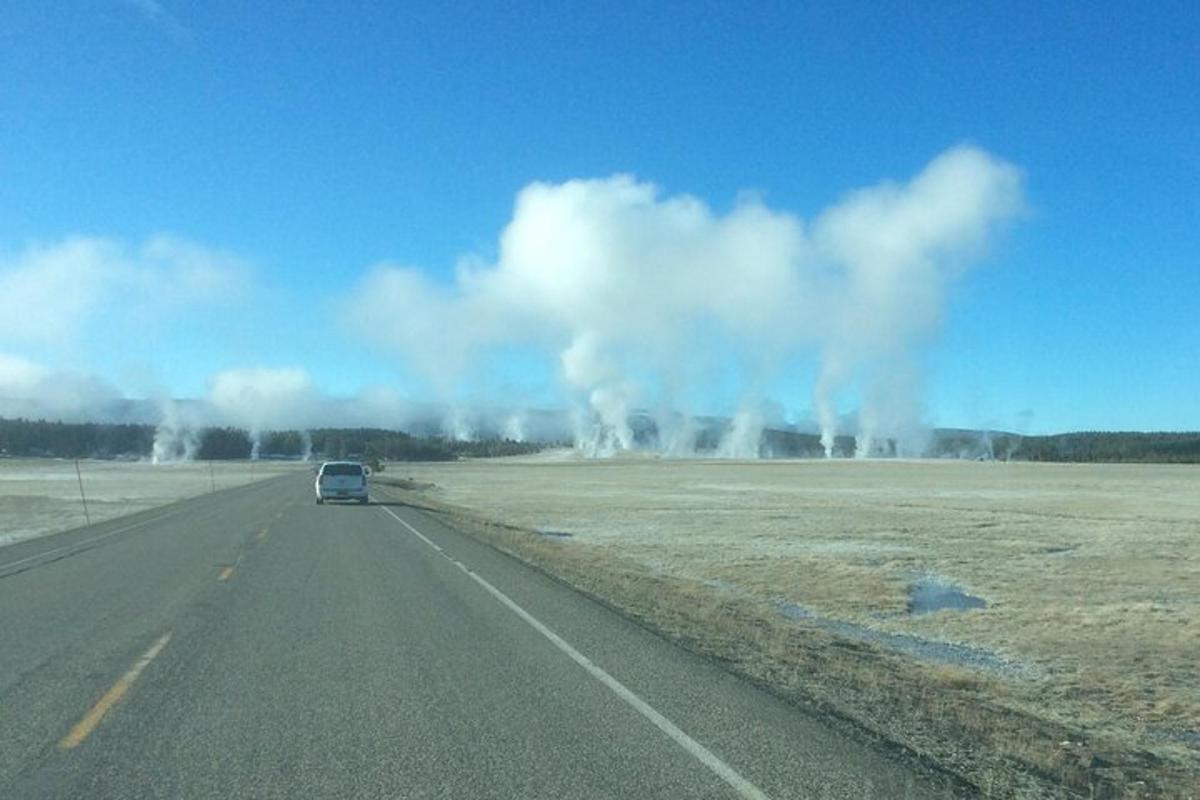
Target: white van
pixel 341 480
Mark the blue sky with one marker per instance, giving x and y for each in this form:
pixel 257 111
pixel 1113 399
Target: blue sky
pixel 304 146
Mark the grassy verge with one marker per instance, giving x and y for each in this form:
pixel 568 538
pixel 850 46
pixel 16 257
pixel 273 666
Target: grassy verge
pixel 43 496
pixel 1004 739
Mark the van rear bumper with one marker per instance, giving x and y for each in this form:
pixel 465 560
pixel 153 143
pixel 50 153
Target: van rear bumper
pixel 341 494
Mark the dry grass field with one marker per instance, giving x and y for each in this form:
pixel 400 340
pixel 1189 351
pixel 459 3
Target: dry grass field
pixel 1081 674
pixel 41 496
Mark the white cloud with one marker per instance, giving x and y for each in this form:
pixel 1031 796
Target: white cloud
pixel 51 293
pixel 400 307
pixel 628 287
pixel 29 389
pixel 177 271
pixel 628 292
pixel 47 292
pixel 268 398
pixel 20 377
pixel 256 398
pixel 261 396
pixel 154 12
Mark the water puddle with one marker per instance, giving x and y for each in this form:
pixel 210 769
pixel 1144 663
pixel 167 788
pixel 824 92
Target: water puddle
pixel 931 594
pixel 959 655
pixel 554 534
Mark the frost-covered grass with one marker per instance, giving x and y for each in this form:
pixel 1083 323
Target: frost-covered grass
pixel 41 496
pixel 1091 573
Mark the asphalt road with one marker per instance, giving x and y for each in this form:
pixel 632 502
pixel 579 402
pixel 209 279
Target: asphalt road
pixel 250 643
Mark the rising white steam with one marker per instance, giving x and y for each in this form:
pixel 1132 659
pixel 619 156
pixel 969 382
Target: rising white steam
pixel 514 427
pixel 895 249
pixel 177 437
pixel 744 437
pixel 647 307
pixel 262 398
pixel 458 425
pixel 609 395
pixel 633 292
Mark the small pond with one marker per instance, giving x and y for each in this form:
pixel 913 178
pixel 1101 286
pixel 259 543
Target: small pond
pixel 930 594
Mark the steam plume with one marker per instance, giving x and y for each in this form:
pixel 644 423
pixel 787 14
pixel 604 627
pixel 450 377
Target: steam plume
pixel 630 291
pixel 176 438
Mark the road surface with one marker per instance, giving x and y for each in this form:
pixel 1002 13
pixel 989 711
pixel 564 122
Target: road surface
pixel 250 643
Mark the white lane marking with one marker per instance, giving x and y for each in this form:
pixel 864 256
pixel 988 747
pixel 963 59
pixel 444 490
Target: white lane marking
pixel 413 530
pixel 743 787
pixel 83 542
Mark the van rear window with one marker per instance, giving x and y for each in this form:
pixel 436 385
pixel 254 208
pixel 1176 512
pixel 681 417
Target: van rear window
pixel 342 469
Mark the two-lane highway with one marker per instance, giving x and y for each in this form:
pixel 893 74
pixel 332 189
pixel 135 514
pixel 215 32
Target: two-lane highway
pixel 253 644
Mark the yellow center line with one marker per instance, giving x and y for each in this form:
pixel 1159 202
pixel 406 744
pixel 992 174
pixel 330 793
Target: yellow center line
pixel 92 718
pixel 226 572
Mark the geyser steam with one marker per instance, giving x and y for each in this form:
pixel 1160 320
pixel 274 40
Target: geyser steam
pixel 176 438
pixel 259 398
pixel 634 294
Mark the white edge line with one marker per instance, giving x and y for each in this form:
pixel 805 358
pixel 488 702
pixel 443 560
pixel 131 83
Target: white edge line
pixel 412 530
pixel 742 786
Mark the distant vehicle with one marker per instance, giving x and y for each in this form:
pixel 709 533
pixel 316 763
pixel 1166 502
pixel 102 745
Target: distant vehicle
pixel 341 480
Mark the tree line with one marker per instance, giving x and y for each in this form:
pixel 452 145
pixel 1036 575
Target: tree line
pixel 378 444
pixel 42 438
pixel 23 437
pixel 1104 446
pixel 1082 447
